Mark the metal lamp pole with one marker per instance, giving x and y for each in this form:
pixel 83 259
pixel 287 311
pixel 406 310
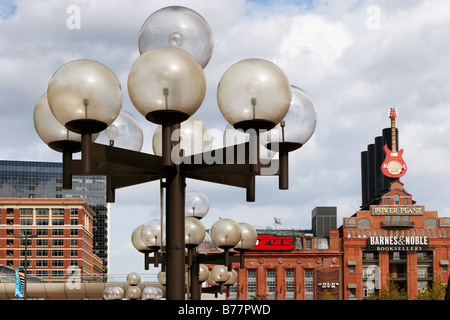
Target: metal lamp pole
pixel 167 86
pixel 25 237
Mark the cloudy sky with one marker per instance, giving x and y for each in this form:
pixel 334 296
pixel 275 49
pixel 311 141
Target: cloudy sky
pixel 356 59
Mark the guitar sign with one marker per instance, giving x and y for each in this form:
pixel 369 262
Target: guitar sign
pixel 393 165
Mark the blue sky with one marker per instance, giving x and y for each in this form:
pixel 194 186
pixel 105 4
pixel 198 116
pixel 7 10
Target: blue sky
pixel 355 59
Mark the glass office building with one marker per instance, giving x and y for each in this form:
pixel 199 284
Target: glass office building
pixel 28 179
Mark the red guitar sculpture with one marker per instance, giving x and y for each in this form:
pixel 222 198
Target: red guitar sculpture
pixel 393 165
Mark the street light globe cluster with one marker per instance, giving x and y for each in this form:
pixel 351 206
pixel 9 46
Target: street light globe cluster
pixel 167 85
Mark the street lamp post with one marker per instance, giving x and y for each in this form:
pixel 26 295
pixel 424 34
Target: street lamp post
pixel 167 85
pixel 25 237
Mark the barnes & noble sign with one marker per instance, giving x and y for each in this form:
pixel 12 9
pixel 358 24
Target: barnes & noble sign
pixel 408 243
pixel 396 210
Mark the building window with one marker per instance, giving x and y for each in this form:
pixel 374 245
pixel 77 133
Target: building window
pixel 57 253
pixel 42 222
pixel 57 263
pixel 352 294
pixel 270 283
pixel 26 212
pixel 308 243
pixel 41 242
pixel 42 273
pixel 57 232
pixel 26 222
pixel 74 222
pixel 251 284
pixel 74 232
pixel 58 222
pixel 42 232
pixel 74 211
pixel 58 242
pixel 396 199
pixel 42 212
pixel 10 211
pixel 22 242
pixel 309 284
pixel 57 212
pixel 57 273
pixel 42 253
pixel 290 284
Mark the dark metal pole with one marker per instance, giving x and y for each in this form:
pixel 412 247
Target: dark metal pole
pixel 175 268
pixel 283 182
pixel 67 170
pixel 194 270
pixel 175 189
pixel 86 141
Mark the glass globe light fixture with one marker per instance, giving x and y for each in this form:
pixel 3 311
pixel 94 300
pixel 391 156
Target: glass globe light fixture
pixel 203 272
pixel 225 233
pixel 233 277
pixel 166 85
pixel 248 238
pixel 136 240
pixel 194 138
pixel 159 293
pixel 196 204
pixel 133 279
pixel 194 232
pixel 149 293
pixel 117 293
pixel 162 278
pixel 297 127
pixel 254 94
pixel 53 133
pixel 151 234
pixel 107 293
pixel 179 27
pixel 85 96
pixel 125 132
pixel 133 293
pixel 220 274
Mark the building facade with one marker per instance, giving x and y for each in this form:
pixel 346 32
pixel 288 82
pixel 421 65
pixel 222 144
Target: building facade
pixel 63 237
pixel 393 239
pixel 293 264
pixel 43 180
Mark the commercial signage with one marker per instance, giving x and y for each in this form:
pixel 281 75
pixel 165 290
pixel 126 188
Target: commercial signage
pixel 270 242
pixel 408 243
pixel 396 210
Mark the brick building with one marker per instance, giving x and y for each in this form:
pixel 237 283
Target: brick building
pixel 293 264
pixel 395 239
pixel 64 230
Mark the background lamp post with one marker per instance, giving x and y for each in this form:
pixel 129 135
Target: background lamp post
pixel 166 84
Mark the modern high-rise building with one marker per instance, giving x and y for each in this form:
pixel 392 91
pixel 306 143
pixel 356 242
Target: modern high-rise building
pixel 29 179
